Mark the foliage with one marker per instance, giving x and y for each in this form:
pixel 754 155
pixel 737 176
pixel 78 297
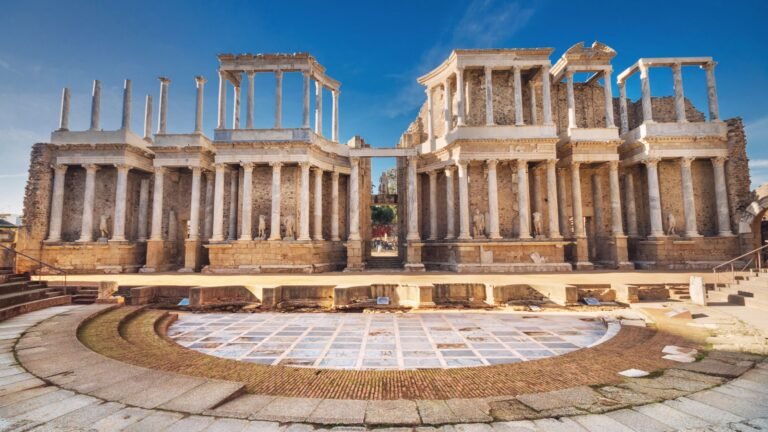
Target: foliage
pixel 383 214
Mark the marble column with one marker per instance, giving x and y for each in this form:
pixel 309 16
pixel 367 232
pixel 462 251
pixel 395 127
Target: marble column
pixel 95 105
pixel 532 90
pixel 89 195
pixel 493 200
pixel 218 204
pixel 57 203
pixel 463 201
pixel 645 87
pixel 278 99
pixel 608 93
pixel 121 194
pixel 571 100
pixel 148 118
pixel 578 211
pixel 677 75
pixel 617 227
pixel 200 83
pixel 194 206
pixel 488 96
pixel 208 226
pixel 629 195
pixel 162 121
pixel 721 197
pixel 689 202
pixel 234 181
pixel 304 202
pixel 523 201
pixel 335 206
pixel 597 205
pixel 432 205
pixel 460 98
pixel 519 121
pixel 319 108
pixel 156 232
pixel 335 116
pixel 654 197
pixel 305 101
pixel 354 199
pixel 552 199
pixel 565 228
pixel 318 213
pixel 546 97
pixel 246 224
pixel 141 232
pixel 450 210
pixel 714 111
pixel 236 89
pixel 447 105
pixel 125 124
pixel 413 200
pixel 64 118
pixel 623 108
pixel 274 226
pixel 249 114
pixel 430 119
pixel 222 120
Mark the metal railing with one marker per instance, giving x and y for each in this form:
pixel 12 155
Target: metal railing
pixel 44 264
pixel 754 255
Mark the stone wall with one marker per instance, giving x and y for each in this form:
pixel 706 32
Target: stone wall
pixel 276 256
pixel 37 198
pixel 95 257
pixel 675 253
pixel 737 171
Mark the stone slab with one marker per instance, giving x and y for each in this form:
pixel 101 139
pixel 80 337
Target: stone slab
pixel 287 409
pixel 11 398
pixel 20 385
pixel 57 409
pixel 156 421
pixel 470 410
pixel 339 411
pixel 733 405
pixel 243 406
pixel 435 412
pixel 392 412
pixel 670 416
pixel 262 426
pixel 600 423
pixel 203 397
pixel 715 367
pixel 703 411
pixel 514 426
pixel 227 425
pixel 86 416
pixel 193 423
pixel 558 425
pixel 21 407
pixel 120 420
pixel 637 421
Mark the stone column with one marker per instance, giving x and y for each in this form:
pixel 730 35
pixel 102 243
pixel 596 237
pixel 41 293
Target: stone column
pixel 234 182
pixel 679 94
pixel 246 224
pixel 615 192
pixel 645 86
pixel 654 197
pixel 194 206
pixel 141 232
pixel 335 116
pixel 565 228
pixel 64 118
pixel 450 211
pixel 623 107
pixel 463 201
pixel 523 201
pixel 335 206
pixel 209 181
pixel 274 226
pixel 578 212
pixel 629 194
pixel 251 96
pixel 714 111
pixel 304 202
pixel 460 97
pixel 156 232
pixel 608 93
pixel 689 204
pixel 305 101
pixel 200 83
pixel 532 90
pixel 162 121
pixel 413 201
pixel 319 108
pixel 218 204
pixel 222 121
pixel 127 95
pixel 432 205
pixel 518 96
pixel 721 197
pixel 57 203
pixel 488 96
pixel 95 105
pixel 447 105
pixel 278 99
pixel 354 199
pixel 546 95
pixel 121 192
pixel 430 119
pixel 148 118
pixel 552 199
pixel 86 229
pixel 493 200
pixel 571 100
pixel 597 204
pixel 318 214
pixel 236 106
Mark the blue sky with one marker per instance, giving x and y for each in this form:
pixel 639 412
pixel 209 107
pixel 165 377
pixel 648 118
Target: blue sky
pixel 376 49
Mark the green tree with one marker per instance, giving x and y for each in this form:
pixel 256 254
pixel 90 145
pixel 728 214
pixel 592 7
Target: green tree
pixel 383 215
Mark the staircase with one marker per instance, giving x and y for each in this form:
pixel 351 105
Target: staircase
pixel 384 263
pixel 679 292
pixel 748 289
pixel 20 294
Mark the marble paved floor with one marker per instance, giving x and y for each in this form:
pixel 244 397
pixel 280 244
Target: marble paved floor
pixel 387 341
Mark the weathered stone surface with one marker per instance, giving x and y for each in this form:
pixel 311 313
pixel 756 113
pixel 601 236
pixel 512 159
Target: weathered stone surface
pixel 387 411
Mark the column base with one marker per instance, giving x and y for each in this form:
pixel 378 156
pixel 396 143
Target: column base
pixel 692 234
pixel 726 234
pixel 354 256
pixel 193 251
pixel 415 268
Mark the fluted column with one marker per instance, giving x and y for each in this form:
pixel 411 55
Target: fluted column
pixel 450 210
pixel 209 186
pixel 194 206
pixel 523 200
pixel 86 228
pixel 95 105
pixel 623 107
pixel 218 204
pixel 608 93
pixel 645 87
pixel 571 100
pixel 222 120
pixel 617 227
pixel 689 203
pixel 156 232
pixel 335 206
pixel 234 181
pixel 274 227
pixel 463 201
pixel 127 96
pixel 432 205
pixel 578 211
pixel 654 197
pixel 565 228
pixel 57 203
pixel 236 89
pixel 251 96
pixel 305 100
pixel 246 224
pixel 141 232
pixel 532 91
pixel 335 116
pixel 318 214
pixel 304 202
pixel 413 202
pixel 278 99
pixel 546 96
pixel 162 121
pixel 460 98
pixel 354 199
pixel 677 76
pixel 493 200
pixel 430 118
pixel 319 108
pixel 721 197
pixel 597 204
pixel 518 96
pixel 714 110
pixel 629 195
pixel 121 193
pixel 148 118
pixel 552 199
pixel 200 82
pixel 488 96
pixel 447 106
pixel 64 118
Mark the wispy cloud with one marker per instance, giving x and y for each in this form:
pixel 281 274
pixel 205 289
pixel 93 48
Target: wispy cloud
pixel 758 172
pixel 16 175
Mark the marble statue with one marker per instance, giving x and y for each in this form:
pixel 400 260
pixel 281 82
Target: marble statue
pixel 383 184
pixel 478 225
pixel 289 223
pixel 104 227
pixel 262 227
pixel 671 224
pixel 537 231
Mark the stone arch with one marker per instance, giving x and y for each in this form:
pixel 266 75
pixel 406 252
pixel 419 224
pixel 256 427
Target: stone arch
pixel 751 217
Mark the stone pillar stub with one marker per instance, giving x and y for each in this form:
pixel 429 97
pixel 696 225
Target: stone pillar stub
pixel 162 121
pixel 127 96
pixel 200 82
pixel 95 105
pixel 546 95
pixel 64 117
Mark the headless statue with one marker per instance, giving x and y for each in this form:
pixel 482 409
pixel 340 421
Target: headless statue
pixel 289 222
pixel 104 226
pixel 537 231
pixel 478 225
pixel 671 224
pixel 262 227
